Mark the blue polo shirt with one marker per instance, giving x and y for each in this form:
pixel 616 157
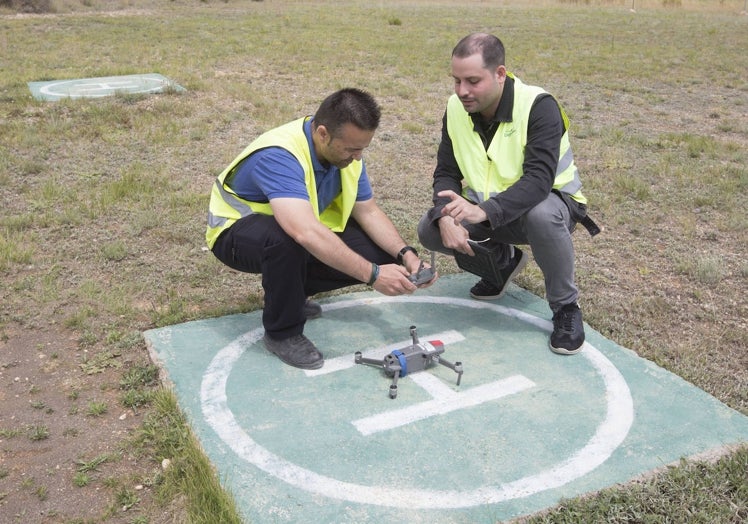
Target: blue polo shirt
pixel 275 173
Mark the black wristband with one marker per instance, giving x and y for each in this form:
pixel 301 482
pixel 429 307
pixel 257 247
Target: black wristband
pixel 403 251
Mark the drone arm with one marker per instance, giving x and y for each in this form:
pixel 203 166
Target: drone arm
pixel 456 367
pixel 393 386
pixel 359 359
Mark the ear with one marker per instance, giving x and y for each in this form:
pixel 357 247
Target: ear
pixel 322 133
pixel 501 74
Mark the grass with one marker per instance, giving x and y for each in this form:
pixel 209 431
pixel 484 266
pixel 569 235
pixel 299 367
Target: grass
pixel 103 201
pixel 189 471
pixel 38 432
pixel 96 409
pixel 93 464
pixel 682 493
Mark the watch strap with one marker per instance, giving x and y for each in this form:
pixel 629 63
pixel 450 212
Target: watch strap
pixel 402 252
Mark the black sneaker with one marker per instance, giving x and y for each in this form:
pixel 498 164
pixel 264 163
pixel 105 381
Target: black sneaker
pixel 297 351
pixel 485 290
pixel 312 309
pixel 568 331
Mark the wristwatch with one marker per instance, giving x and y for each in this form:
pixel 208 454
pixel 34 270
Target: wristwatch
pixel 403 251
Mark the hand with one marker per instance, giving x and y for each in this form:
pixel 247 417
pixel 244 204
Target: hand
pixel 393 280
pixel 424 276
pixel 413 265
pixel 461 210
pixel 455 236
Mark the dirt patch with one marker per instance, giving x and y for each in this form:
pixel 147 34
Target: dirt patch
pixel 60 426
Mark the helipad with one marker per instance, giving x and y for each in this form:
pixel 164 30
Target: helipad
pixel 53 90
pixel 524 429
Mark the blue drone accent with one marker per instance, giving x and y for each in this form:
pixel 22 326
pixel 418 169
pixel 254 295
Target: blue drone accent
pixel 403 362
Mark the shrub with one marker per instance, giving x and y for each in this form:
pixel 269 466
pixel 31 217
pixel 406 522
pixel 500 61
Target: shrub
pixel 28 6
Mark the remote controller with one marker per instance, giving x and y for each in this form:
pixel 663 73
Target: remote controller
pixel 424 274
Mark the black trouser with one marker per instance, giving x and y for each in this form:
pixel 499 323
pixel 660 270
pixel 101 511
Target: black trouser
pixel 290 274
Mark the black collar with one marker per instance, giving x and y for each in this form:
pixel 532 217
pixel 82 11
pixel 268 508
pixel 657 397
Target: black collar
pixel 503 111
pixel 487 130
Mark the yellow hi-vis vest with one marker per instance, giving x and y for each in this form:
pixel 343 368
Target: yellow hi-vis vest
pixel 226 207
pixel 489 172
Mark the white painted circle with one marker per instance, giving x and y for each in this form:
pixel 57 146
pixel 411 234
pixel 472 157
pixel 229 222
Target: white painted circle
pixel 608 436
pixel 101 87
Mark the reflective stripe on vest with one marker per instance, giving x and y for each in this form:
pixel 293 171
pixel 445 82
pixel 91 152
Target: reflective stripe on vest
pixel 489 172
pixel 226 207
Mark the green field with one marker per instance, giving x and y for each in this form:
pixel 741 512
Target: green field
pixel 103 205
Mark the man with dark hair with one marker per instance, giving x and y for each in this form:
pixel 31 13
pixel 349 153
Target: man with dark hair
pixel 297 206
pixel 505 175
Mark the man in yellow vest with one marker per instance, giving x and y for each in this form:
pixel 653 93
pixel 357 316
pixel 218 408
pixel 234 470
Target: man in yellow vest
pixel 505 175
pixel 297 206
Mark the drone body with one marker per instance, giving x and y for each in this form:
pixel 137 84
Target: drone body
pixel 416 357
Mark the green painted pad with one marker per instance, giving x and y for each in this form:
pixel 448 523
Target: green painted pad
pixel 525 428
pixel 103 86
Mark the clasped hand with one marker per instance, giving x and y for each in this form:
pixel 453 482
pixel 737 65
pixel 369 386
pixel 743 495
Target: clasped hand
pixel 454 235
pixel 393 280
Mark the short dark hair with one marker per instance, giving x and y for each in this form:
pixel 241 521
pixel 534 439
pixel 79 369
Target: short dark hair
pixel 489 46
pixel 348 106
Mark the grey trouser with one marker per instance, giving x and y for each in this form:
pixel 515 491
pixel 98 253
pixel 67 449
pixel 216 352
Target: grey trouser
pixel 547 228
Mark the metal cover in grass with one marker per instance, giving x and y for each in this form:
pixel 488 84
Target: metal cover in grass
pixel 54 90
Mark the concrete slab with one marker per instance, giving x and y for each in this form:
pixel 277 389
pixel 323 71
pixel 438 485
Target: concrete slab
pixel 524 429
pixel 53 90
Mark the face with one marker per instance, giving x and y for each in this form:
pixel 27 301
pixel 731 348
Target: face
pixel 479 88
pixel 343 149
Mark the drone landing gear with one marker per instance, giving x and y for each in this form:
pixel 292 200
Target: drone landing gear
pixel 416 357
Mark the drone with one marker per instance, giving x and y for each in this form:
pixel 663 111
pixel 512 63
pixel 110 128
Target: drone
pixel 416 357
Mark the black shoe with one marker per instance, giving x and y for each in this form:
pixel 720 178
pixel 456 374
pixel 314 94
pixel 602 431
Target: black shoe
pixel 568 331
pixel 312 309
pixel 485 290
pixel 297 351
